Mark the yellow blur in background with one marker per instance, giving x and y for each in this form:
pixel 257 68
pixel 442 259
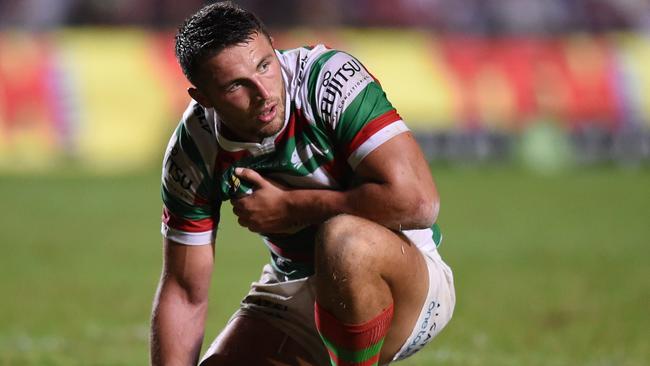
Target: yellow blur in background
pixel 107 99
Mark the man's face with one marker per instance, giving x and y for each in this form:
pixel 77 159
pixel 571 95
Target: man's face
pixel 243 83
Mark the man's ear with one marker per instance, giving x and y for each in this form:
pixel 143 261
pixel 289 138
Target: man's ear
pixel 199 97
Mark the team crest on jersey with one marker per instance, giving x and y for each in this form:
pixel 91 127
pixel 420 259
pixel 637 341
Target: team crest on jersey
pixel 232 186
pixel 235 183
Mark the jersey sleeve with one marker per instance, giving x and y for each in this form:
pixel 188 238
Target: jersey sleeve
pixel 190 209
pixel 349 101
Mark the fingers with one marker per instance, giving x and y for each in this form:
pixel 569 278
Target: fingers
pixel 239 211
pixel 242 222
pixel 237 207
pixel 252 176
pixel 248 224
pixel 243 214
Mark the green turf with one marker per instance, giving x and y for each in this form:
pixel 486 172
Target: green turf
pixel 549 270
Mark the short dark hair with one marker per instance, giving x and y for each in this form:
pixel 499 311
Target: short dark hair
pixel 210 30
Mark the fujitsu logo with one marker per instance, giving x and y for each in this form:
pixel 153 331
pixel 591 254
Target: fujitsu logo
pixel 176 172
pixel 333 84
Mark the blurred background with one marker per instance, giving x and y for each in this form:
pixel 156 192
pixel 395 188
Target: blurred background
pixel 535 116
pixel 471 77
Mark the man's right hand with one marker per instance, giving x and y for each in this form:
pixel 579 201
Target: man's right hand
pixel 267 209
pixel 180 305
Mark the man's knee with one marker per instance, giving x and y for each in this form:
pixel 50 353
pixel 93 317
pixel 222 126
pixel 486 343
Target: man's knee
pixel 345 243
pixel 349 260
pixel 338 228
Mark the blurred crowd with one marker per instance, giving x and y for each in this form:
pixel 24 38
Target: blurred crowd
pixel 484 17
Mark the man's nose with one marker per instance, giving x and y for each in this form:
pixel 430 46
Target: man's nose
pixel 261 90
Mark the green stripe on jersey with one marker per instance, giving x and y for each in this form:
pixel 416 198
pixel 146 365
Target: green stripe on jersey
pixel 368 105
pixel 182 209
pixel 297 146
pixel 188 146
pixel 318 140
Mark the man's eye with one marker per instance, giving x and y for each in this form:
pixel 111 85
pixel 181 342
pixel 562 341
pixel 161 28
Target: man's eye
pixel 264 66
pixel 233 87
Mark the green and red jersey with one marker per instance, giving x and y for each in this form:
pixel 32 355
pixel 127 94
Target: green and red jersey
pixel 336 114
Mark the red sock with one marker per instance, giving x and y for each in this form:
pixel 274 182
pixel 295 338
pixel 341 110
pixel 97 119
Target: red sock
pixel 353 344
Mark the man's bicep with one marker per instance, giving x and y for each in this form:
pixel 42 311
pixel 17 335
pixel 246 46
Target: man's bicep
pixel 189 267
pixel 398 159
pixel 399 166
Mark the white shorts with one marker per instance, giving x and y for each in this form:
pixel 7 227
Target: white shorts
pixel 289 305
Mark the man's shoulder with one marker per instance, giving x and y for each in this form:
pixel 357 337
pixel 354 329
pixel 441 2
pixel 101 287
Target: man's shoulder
pixel 303 65
pixel 311 57
pixel 198 125
pixel 320 76
pixel 196 119
pixel 295 56
pixel 193 142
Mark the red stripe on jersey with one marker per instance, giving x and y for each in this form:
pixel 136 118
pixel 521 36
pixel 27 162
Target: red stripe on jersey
pixel 295 125
pixel 183 224
pixel 225 159
pixel 337 169
pixel 370 129
pixel 200 201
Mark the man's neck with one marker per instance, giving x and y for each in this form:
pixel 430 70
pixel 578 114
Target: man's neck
pixel 232 136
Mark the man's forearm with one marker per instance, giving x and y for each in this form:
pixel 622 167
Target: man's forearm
pixel 381 203
pixel 177 328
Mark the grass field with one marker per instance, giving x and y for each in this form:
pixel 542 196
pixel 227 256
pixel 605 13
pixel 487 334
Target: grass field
pixel 549 270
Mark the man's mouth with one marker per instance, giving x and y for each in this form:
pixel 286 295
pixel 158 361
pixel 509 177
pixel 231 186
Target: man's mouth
pixel 268 113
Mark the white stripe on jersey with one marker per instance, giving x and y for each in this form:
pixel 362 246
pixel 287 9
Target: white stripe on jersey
pixel 188 238
pixel 375 141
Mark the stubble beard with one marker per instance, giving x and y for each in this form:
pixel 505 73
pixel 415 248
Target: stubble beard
pixel 273 127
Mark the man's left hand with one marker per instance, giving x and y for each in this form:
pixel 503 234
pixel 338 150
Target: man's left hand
pixel 266 210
